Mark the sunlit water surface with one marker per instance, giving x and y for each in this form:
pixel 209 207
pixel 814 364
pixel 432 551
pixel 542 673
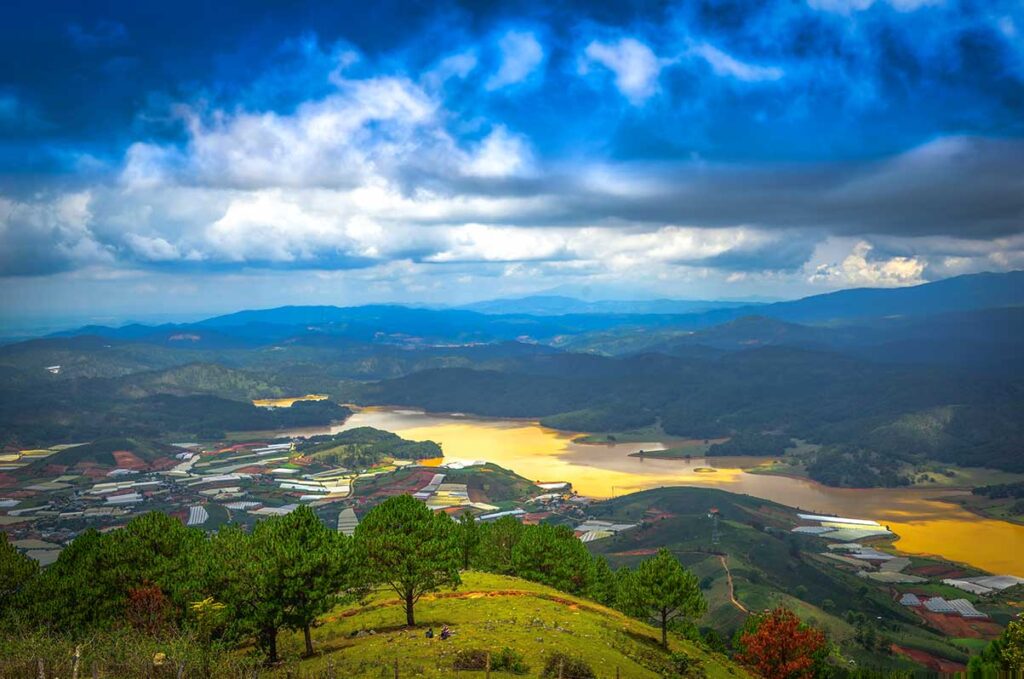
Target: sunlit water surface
pixel 925 524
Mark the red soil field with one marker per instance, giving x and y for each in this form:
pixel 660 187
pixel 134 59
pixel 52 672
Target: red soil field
pixel 938 570
pixel 930 661
pixel 956 626
pixel 126 459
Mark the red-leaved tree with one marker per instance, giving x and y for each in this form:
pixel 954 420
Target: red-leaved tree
pixel 148 609
pixel 781 647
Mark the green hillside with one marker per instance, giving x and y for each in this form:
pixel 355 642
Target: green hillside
pixel 489 612
pixel 201 378
pixel 365 447
pixel 101 452
pixel 757 564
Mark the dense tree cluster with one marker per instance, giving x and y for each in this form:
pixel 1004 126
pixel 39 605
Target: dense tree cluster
pixel 1001 490
pixel 1003 656
pixel 365 446
pixel 161 578
pixel 752 443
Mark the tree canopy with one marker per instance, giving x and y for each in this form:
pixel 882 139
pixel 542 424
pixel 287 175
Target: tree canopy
pixel 662 590
pixel 403 545
pixel 777 645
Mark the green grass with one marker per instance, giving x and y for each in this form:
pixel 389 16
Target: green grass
pixel 695 448
pixel 769 566
pixel 951 476
pixel 488 612
pixel 652 432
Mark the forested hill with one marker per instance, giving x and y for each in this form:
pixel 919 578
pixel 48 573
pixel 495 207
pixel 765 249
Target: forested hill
pixel 875 376
pixel 823 397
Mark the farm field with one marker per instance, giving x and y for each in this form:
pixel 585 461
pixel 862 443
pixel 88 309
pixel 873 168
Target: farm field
pixel 769 566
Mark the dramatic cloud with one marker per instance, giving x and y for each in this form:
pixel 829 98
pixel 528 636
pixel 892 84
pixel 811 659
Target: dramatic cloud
pixel 857 270
pixel 462 153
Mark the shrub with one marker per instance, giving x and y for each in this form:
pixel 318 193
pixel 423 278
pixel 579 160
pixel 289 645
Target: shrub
pixel 509 660
pixel 685 666
pixel 571 667
pixel 505 660
pixel 470 659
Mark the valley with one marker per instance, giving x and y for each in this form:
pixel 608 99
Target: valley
pixel 755 449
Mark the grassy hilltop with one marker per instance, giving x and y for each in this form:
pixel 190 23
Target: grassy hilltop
pixel 489 612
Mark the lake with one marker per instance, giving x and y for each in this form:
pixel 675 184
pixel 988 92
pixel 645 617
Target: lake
pixel 925 524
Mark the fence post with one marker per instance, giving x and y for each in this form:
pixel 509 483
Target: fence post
pixel 561 668
pixel 78 659
pixel 488 665
pixel 617 672
pixel 41 666
pixel 396 669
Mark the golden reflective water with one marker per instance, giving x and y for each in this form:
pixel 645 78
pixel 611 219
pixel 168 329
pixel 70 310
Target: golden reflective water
pixel 925 525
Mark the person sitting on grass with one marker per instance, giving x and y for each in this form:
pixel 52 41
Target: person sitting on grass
pixel 430 633
pixel 445 632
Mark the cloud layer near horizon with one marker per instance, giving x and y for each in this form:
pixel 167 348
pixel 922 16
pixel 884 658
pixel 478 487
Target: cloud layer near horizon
pixel 722 149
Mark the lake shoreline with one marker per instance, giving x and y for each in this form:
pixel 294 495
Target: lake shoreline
pixel 924 518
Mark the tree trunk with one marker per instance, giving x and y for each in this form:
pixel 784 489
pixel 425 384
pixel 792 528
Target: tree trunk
pixel 410 620
pixel 270 641
pixel 309 640
pixel 664 630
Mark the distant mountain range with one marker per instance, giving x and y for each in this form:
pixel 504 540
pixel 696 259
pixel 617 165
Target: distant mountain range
pixel 969 322
pixel 899 375
pixel 544 318
pixel 559 305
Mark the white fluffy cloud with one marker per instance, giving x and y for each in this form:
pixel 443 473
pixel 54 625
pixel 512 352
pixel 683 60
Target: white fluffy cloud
pixel 634 64
pixel 500 154
pixel 521 54
pixel 725 65
pixel 857 269
pixel 49 234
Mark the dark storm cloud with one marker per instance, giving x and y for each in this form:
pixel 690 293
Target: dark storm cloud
pixel 211 137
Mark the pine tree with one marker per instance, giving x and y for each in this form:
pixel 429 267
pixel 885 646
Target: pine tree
pixel 314 567
pixel 403 545
pixel 552 555
pixel 245 574
pixel 604 585
pixel 469 539
pixel 662 590
pixel 16 571
pixel 497 542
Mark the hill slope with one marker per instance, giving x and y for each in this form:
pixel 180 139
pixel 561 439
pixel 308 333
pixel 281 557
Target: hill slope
pixel 489 612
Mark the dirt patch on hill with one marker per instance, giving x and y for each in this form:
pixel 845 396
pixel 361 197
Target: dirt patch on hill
pixel 932 662
pixel 938 571
pixel 126 459
pixel 409 484
pixel 656 514
pixel 957 626
pixel 638 552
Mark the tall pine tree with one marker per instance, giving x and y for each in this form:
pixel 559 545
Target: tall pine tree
pixel 403 545
pixel 660 589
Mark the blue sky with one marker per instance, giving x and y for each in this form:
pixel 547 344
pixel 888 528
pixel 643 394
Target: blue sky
pixel 192 158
